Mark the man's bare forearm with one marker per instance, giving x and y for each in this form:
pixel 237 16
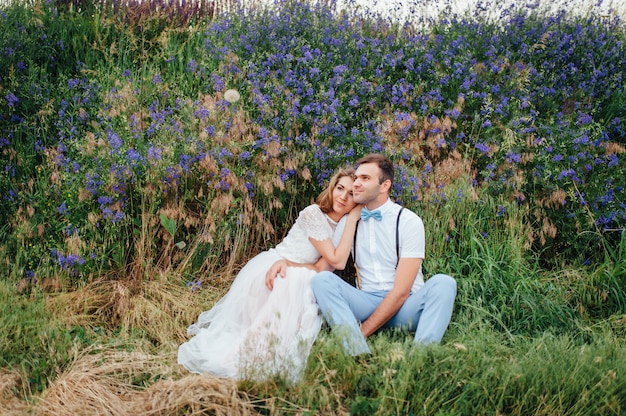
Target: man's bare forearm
pixel 390 305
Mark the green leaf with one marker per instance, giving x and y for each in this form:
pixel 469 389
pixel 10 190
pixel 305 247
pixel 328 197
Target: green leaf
pixel 168 224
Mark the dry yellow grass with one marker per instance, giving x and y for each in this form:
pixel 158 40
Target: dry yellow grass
pixel 161 310
pixel 108 383
pixel 109 379
pixel 10 385
pixel 150 317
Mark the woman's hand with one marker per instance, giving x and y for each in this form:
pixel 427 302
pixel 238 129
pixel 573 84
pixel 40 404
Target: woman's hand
pixel 355 213
pixel 278 269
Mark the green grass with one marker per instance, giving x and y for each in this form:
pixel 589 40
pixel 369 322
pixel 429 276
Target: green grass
pixel 515 346
pixel 33 342
pixel 477 373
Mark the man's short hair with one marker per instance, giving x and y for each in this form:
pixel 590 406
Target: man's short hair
pixel 385 165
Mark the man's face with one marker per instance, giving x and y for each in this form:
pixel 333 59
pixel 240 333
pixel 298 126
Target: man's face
pixel 367 187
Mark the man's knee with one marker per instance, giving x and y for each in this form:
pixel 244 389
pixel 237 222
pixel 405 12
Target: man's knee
pixel 445 284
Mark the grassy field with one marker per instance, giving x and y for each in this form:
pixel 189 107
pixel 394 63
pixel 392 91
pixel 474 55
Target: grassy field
pixel 134 187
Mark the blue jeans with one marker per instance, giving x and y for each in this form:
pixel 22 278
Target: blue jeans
pixel 427 311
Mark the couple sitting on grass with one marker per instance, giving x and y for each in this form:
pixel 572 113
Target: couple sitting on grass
pixel 265 325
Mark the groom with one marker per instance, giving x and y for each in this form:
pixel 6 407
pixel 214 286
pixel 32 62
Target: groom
pixel 390 290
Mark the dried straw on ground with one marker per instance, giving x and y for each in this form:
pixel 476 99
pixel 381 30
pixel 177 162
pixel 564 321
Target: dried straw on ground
pixel 10 404
pixel 195 394
pixel 105 383
pixel 161 310
pixel 106 380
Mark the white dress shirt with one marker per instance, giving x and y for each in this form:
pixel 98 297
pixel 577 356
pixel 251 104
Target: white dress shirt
pixel 376 254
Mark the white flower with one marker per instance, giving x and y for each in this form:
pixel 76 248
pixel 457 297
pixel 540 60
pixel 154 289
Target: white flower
pixel 232 96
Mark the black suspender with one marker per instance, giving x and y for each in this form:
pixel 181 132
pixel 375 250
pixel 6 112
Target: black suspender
pixel 397 235
pixel 358 278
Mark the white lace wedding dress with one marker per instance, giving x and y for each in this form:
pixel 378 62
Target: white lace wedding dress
pixel 257 334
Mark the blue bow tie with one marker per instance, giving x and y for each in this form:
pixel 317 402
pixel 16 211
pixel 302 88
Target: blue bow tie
pixel 366 214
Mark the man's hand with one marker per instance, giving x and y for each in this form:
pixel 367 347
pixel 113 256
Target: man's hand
pixel 278 269
pixel 392 302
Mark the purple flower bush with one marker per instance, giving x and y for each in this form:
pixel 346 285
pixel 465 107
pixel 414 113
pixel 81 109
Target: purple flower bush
pixel 529 109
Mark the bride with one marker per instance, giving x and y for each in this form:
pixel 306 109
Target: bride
pixel 264 327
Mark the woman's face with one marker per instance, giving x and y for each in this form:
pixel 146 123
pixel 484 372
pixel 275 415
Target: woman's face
pixel 342 196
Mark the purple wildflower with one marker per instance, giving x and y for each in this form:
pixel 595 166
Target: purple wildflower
pixel 482 147
pixel 11 99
